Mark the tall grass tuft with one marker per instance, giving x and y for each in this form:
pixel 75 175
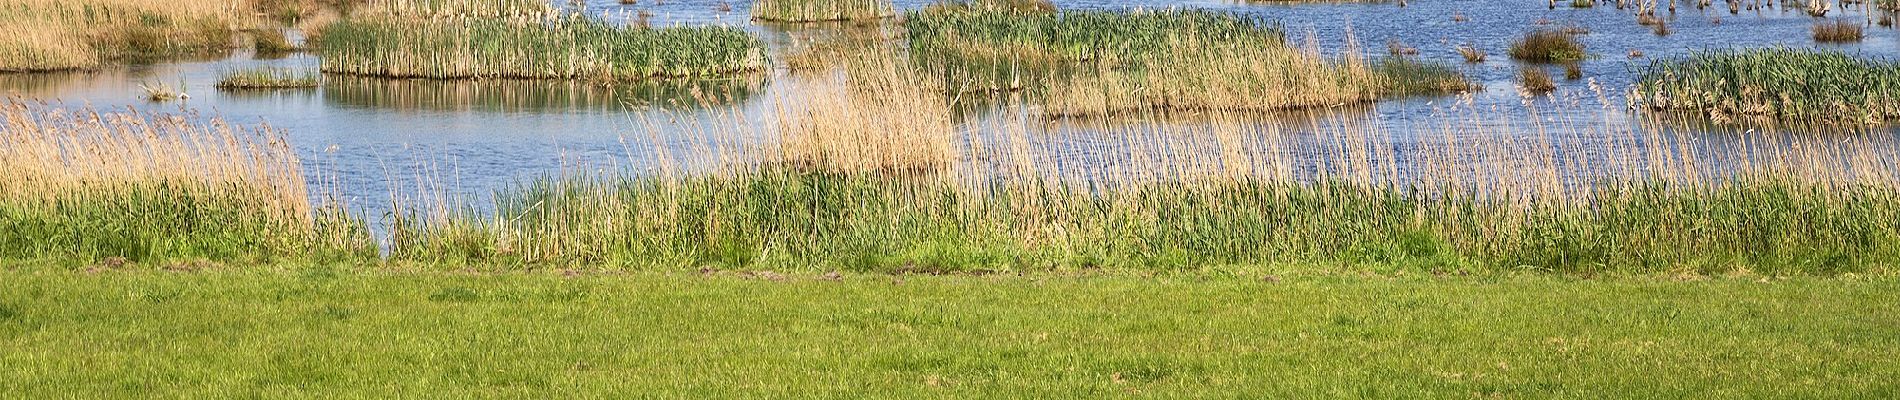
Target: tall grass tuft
pixel 1535 80
pixel 1547 46
pixel 86 185
pixel 1837 32
pixel 1787 84
pixel 821 10
pixel 534 48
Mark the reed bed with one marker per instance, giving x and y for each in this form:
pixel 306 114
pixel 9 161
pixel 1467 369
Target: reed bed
pixel 1009 6
pixel 821 10
pixel 534 48
pixel 1785 84
pixel 1092 63
pixel 872 114
pixel 268 78
pixel 1233 192
pixel 84 185
pixel 537 95
pixel 451 8
pixel 54 35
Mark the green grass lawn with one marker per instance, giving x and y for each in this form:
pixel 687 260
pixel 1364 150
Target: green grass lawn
pixel 363 333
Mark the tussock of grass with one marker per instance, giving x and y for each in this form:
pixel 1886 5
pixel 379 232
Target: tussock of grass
pixel 1547 46
pixel 1837 32
pixel 1399 76
pixel 1535 80
pixel 83 186
pixel 271 42
pixel 268 78
pixel 1786 84
pixel 532 48
pixel 821 10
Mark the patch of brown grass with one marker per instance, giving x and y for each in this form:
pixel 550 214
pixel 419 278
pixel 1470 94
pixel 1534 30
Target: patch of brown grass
pixel 1837 32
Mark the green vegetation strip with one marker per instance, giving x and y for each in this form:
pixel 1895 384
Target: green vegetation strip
pixel 997 40
pixel 1788 84
pixel 1103 63
pixel 566 48
pixel 323 332
pixel 870 222
pixel 821 10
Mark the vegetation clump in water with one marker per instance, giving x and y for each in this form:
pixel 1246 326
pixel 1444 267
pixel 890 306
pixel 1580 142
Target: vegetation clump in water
pixel 1786 84
pixel 1093 63
pixel 1547 46
pixel 268 78
pixel 534 48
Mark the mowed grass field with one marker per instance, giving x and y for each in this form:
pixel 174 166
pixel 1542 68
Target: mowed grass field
pixel 377 333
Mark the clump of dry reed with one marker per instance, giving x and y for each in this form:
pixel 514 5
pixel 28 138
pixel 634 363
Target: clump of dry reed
pixel 1535 80
pixel 1258 79
pixel 1837 32
pixel 1472 54
pixel 871 113
pixel 1547 46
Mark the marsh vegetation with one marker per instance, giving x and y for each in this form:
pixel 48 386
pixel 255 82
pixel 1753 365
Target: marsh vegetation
pixel 1787 84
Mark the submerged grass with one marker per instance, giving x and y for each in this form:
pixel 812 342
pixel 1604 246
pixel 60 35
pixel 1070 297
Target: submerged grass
pixel 1787 84
pixel 534 48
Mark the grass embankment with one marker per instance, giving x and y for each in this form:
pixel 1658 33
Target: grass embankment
pixel 93 186
pixel 1779 84
pixel 534 48
pixel 1096 63
pixel 53 35
pixel 821 10
pixel 250 332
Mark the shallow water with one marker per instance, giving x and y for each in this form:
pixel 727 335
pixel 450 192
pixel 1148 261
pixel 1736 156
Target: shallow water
pixel 469 138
